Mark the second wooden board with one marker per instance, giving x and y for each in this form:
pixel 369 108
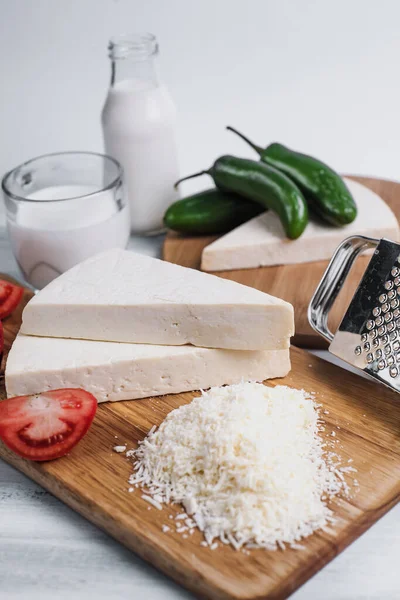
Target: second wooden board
pixel 294 283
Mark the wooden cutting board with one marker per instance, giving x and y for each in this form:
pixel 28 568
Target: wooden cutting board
pixel 92 479
pixel 294 283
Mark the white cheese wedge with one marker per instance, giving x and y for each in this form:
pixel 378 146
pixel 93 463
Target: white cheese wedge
pixel 120 296
pixel 115 371
pixel 261 242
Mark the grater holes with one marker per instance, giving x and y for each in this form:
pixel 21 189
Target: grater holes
pixel 367 346
pixel 375 343
pixel 396 345
pixel 393 372
pixel 387 350
pixel 393 334
pixel 370 324
pixel 373 334
pixel 384 339
pixel 378 354
pixel 370 358
pixel 388 285
pixel 397 281
pixel 382 298
pixel 391 326
pixel 390 360
pixel 385 307
pixel 376 311
pixel 396 313
pixel 395 271
pixel 395 303
pixel 379 320
pixel 364 337
pixel 381 364
pixel 392 294
pixel 382 330
pixel 388 317
pixel 357 350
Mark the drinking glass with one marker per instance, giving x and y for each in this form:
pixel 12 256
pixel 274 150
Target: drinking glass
pixel 63 208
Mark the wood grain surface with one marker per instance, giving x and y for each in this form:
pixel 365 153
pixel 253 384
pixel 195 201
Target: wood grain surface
pixel 93 480
pixel 294 283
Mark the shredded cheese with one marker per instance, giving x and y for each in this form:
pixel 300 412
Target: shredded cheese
pixel 248 464
pixel 119 449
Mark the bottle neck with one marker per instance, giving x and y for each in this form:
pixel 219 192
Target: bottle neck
pixel 143 72
pixel 133 58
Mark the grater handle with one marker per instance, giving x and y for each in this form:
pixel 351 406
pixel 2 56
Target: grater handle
pixel 333 280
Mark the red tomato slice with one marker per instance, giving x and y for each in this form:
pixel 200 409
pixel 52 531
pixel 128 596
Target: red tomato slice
pixel 46 425
pixel 10 297
pixel 1 341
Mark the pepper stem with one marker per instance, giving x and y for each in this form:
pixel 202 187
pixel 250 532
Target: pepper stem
pixel 258 149
pixel 190 177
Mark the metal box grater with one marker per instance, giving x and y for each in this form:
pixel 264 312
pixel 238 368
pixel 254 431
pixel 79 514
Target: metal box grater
pixel 369 335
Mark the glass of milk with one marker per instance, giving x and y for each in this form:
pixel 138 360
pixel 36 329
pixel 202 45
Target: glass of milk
pixel 63 208
pixel 139 122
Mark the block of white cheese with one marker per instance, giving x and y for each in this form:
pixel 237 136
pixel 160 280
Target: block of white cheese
pixel 117 371
pixel 261 242
pixel 120 296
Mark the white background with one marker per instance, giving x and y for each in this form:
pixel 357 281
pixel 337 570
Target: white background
pixel 322 76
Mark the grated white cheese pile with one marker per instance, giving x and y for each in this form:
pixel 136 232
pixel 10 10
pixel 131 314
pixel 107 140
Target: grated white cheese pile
pixel 247 463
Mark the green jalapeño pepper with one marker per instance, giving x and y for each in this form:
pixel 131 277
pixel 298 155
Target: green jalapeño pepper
pixel 210 212
pixel 263 184
pixel 324 189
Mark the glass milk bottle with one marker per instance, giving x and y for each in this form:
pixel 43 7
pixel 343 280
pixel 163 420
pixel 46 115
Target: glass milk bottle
pixel 139 119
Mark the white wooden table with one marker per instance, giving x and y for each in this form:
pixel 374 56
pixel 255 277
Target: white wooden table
pixel 49 552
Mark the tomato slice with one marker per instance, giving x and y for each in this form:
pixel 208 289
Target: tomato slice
pixel 1 341
pixel 10 297
pixel 46 425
